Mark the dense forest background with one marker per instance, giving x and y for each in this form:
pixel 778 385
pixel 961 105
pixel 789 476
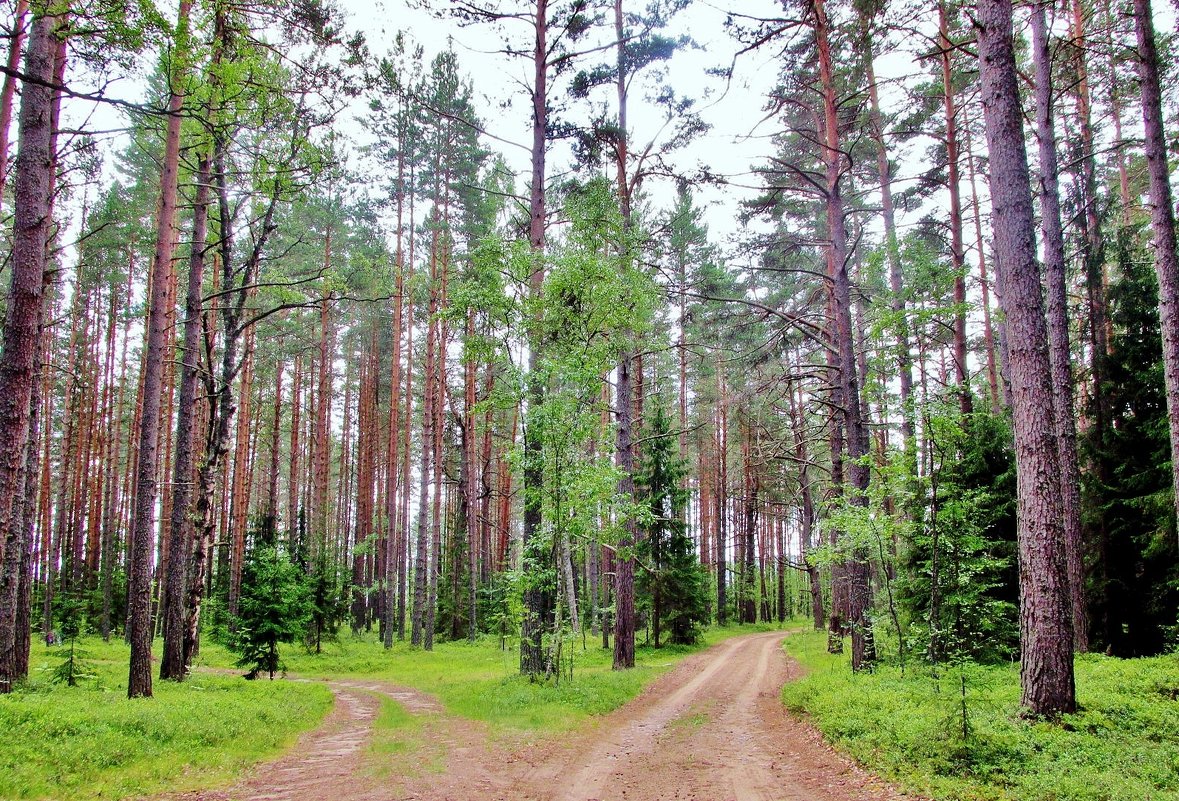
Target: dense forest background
pixel 300 349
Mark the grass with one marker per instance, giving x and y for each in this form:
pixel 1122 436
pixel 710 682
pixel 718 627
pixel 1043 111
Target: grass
pixel 90 742
pixel 1122 746
pixel 397 747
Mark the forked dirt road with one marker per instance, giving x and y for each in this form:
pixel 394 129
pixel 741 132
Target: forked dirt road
pixel 711 729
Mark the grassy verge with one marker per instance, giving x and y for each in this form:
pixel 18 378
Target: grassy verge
pixel 481 681
pixel 90 742
pixel 1122 746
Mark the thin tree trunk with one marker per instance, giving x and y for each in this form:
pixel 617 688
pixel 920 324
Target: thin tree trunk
pixel 172 663
pixel 629 386
pixel 957 248
pixel 20 29
pixel 1057 312
pixel 155 356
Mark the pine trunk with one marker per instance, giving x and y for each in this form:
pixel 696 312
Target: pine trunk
pixel 1046 638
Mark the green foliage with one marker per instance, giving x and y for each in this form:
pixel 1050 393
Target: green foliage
pixel 1131 514
pixel 326 589
pixel 959 584
pixel 273 609
pixel 73 665
pixel 89 742
pixel 1120 747
pixel 671 582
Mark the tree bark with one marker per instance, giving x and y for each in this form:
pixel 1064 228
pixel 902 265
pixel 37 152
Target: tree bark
pixel 1060 352
pixel 536 600
pixel 953 181
pixel 20 30
pixel 155 356
pixel 172 662
pixel 1046 639
pixel 857 567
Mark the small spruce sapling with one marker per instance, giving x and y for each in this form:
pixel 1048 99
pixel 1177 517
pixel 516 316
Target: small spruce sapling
pixel 672 580
pixel 72 665
pixel 274 608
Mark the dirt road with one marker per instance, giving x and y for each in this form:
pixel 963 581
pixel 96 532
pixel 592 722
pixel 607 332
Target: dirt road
pixel 711 729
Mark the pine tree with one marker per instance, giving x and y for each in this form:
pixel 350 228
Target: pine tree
pixel 674 584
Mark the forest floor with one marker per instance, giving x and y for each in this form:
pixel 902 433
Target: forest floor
pixel 713 728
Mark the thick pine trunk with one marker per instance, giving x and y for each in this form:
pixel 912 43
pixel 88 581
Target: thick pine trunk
pixel 857 568
pixel 1046 638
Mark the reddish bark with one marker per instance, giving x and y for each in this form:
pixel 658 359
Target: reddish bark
pixel 1046 638
pixel 172 662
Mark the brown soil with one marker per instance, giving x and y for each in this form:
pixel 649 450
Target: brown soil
pixel 712 729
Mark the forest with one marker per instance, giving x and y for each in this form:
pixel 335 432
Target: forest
pixel 519 371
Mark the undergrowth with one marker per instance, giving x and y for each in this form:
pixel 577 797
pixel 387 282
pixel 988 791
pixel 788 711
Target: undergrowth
pixel 1123 745
pixel 91 742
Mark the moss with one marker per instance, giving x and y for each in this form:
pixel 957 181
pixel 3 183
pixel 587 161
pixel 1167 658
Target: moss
pixel 90 742
pixel 1123 745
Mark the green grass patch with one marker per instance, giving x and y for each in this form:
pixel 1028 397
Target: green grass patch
pixel 90 742
pixel 1122 746
pixel 396 746
pixel 481 681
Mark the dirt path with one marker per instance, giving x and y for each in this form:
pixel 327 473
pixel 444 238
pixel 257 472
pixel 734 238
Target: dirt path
pixel 711 729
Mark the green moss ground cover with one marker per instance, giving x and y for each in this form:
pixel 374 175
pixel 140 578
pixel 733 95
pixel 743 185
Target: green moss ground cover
pixel 1123 745
pixel 90 742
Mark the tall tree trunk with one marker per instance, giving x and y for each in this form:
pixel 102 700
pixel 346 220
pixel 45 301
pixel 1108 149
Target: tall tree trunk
pixel 470 518
pixel 806 514
pixel 893 252
pixel 15 570
pixel 857 567
pixel 953 182
pixel 536 599
pixel 31 231
pixel 1162 219
pixel 179 554
pixel 1061 354
pixel 720 522
pixel 321 445
pixel 20 29
pixel 984 284
pixel 393 577
pixel 624 402
pixel 422 559
pixel 1046 638
pixel 155 356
